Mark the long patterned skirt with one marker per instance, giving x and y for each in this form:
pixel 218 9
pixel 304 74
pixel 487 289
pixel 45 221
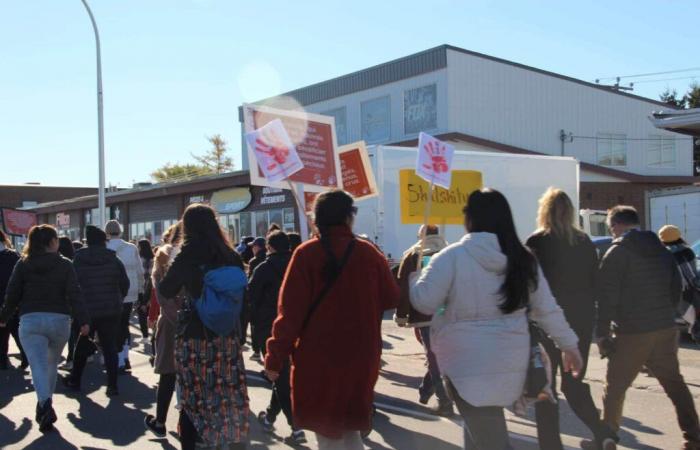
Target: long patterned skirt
pixel 212 383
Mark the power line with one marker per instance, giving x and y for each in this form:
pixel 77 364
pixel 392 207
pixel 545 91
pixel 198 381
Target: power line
pixel 664 139
pixel 668 79
pixel 667 72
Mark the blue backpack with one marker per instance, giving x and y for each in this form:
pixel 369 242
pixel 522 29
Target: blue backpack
pixel 219 307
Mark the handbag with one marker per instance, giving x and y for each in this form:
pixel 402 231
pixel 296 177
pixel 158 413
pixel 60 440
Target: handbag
pixel 536 380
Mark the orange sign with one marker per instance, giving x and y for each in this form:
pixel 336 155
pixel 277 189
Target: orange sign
pixel 358 178
pixel 18 222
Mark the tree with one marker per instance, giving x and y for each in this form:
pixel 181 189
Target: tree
pixel 178 171
pixel 693 96
pixel 216 159
pixel 670 97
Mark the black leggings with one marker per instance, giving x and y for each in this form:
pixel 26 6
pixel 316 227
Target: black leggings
pixel 188 435
pixel 143 321
pixel 166 388
pixel 281 399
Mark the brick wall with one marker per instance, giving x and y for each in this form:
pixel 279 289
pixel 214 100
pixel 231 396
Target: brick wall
pixel 606 195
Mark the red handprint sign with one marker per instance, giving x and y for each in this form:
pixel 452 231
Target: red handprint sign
pixel 274 151
pixel 434 160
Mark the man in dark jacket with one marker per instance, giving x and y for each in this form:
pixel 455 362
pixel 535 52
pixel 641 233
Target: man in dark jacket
pixel 8 259
pixel 406 315
pixel 263 290
pixel 104 282
pixel 257 248
pixel 640 287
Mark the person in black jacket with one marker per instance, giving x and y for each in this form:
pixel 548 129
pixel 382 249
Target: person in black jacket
pixel 105 283
pixel 44 288
pixel 640 287
pixel 263 290
pixel 8 259
pixel 570 263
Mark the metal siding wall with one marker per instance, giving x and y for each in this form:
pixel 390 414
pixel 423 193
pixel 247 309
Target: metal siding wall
pixel 523 108
pixel 155 209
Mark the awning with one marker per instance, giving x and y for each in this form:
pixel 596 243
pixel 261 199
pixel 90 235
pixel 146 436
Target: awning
pixel 685 121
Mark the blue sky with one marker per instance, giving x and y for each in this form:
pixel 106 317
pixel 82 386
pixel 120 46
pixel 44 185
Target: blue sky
pixel 175 71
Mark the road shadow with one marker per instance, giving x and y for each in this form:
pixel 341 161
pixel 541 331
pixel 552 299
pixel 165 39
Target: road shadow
pixel 401 438
pixel 52 440
pixel 400 379
pixel 14 383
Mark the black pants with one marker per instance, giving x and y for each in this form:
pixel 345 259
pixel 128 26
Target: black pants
pixel 10 329
pixel 164 395
pixel 143 320
pixel 107 329
pixel 577 393
pixel 124 333
pixel 74 332
pixel 188 435
pixel 281 399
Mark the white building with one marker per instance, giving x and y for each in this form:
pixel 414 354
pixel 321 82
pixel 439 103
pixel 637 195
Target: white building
pixel 481 102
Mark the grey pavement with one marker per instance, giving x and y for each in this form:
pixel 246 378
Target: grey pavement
pixel 90 420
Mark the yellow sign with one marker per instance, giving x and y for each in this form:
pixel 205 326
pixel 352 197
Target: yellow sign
pixel 446 206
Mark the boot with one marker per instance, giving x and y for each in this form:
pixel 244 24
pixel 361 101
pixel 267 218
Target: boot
pixel 443 410
pixel 46 416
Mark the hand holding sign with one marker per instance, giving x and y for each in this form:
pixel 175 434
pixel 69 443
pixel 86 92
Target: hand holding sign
pixel 434 160
pixel 274 151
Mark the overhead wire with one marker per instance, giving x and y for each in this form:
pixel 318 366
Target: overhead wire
pixel 639 75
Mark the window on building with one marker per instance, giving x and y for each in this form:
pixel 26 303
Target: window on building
pixel 375 120
pixel 612 149
pixel 153 230
pixel 289 223
pixel 341 124
pixel 661 151
pixel 420 109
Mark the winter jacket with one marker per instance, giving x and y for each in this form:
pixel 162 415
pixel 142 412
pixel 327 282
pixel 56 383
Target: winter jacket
pixel 639 285
pixel 686 261
pixel 128 253
pixel 187 272
pixel 255 261
pixel 8 259
pixel 483 351
pixel 335 358
pixel 263 291
pixel 103 280
pixel 571 272
pixel 409 264
pixel 167 308
pixel 44 283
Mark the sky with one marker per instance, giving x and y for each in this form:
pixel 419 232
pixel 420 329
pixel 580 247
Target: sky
pixel 175 71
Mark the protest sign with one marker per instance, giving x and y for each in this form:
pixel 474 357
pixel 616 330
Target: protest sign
pixel 434 163
pixel 17 222
pixel 314 139
pixel 358 177
pixel 274 152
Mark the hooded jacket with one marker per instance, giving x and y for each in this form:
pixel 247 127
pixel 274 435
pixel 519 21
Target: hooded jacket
pixel 409 264
pixel 44 283
pixel 103 280
pixel 8 259
pixel 263 291
pixel 639 285
pixel 128 253
pixel 483 351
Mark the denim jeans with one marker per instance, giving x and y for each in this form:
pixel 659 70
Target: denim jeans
pixel 43 336
pixel 432 381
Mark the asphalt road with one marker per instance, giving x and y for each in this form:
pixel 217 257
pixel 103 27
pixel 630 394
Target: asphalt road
pixel 90 420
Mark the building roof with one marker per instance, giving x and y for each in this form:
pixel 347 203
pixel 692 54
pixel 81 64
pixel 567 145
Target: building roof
pixel 684 121
pixel 410 66
pixel 631 177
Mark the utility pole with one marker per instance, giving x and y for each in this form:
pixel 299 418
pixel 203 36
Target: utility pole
pixel 101 203
pixel 565 137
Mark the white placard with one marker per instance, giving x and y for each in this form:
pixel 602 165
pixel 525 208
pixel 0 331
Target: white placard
pixel 274 151
pixel 434 163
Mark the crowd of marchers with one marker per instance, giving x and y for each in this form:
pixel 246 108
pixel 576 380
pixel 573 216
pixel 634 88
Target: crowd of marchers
pixel 499 320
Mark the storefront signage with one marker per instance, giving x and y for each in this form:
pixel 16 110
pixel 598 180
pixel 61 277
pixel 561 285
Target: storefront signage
pixel 314 139
pixel 272 196
pixel 17 222
pixel 62 220
pixel 447 204
pixel 230 201
pixel 358 178
pixel 196 199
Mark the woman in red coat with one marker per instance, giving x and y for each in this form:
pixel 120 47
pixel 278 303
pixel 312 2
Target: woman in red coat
pixel 333 337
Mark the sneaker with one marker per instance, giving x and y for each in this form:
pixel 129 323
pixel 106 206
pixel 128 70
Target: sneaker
pixel 151 424
pixel 606 444
pixel 298 437
pixel 255 357
pixel 70 383
pixel 423 399
pixel 267 426
pixel 112 391
pixel 67 366
pixel 443 410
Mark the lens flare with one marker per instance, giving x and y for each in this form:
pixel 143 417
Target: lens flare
pixel 258 80
pixel 297 126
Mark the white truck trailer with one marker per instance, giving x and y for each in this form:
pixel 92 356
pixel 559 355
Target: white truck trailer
pixel 392 219
pixel 675 206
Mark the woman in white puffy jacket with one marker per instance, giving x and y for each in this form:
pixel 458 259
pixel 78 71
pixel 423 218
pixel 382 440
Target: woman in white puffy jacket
pixel 480 292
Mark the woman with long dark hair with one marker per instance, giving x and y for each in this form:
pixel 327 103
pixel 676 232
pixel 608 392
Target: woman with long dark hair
pixel 146 255
pixel 570 263
pixel 485 288
pixel 44 288
pixel 214 408
pixel 331 304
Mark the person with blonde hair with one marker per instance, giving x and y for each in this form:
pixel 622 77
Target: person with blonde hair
pixel 569 261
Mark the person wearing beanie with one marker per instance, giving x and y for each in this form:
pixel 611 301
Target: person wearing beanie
pixel 685 257
pixel 104 285
pixel 128 253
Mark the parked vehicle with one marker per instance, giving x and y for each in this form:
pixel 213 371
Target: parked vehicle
pixel 675 206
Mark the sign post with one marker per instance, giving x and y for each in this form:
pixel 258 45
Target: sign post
pixel 434 164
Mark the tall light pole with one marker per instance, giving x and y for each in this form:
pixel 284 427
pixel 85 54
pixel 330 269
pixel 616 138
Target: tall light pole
pixel 101 203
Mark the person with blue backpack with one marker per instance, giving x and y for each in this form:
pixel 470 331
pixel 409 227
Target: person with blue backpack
pixel 214 408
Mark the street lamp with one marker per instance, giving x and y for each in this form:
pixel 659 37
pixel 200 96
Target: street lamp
pixel 101 204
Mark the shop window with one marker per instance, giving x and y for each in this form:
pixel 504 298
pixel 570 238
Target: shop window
pixel 420 109
pixel 277 216
pixel 261 223
pixel 289 222
pixel 661 151
pixel 246 228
